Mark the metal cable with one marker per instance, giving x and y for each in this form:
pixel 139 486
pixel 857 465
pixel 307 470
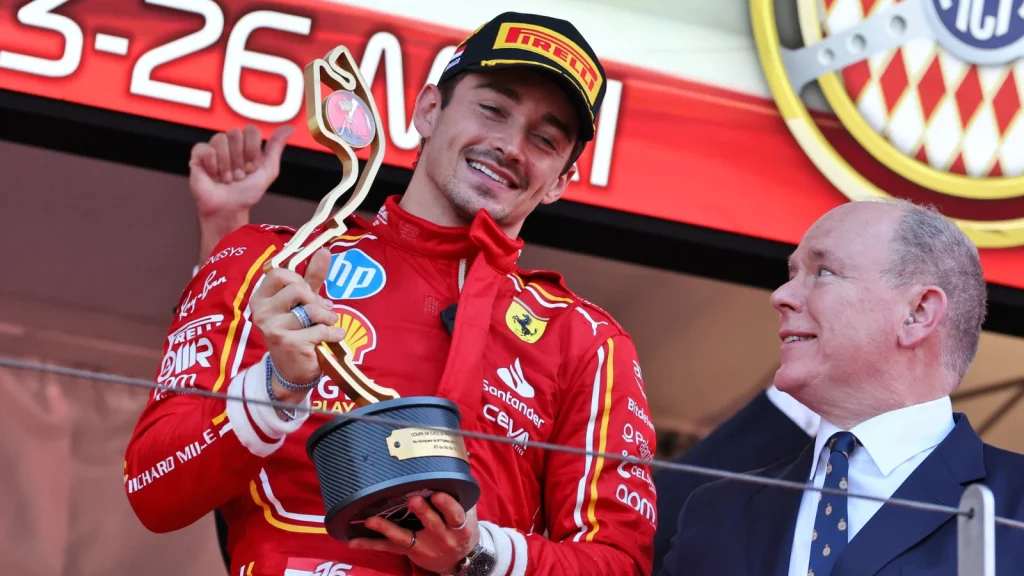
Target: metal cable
pixel 654 463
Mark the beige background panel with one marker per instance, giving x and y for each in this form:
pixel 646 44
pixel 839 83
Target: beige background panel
pixel 62 442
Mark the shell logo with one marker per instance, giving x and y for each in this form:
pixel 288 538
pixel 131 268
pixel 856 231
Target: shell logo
pixel 360 335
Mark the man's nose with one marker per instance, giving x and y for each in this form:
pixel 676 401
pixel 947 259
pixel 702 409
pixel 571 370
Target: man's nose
pixel 787 297
pixel 511 144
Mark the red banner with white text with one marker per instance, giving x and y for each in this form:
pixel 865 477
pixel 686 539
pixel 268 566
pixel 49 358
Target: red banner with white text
pixel 666 147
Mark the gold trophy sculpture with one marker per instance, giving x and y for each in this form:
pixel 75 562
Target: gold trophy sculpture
pixel 367 468
pixel 353 117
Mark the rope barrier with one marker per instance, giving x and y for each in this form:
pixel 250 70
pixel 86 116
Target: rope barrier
pixel 654 463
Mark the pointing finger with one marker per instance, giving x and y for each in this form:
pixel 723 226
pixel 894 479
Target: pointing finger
pixel 317 270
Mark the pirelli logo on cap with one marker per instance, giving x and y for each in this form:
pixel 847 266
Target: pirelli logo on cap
pixel 556 48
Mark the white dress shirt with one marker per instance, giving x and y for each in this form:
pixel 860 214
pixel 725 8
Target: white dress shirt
pixel 801 415
pixel 892 445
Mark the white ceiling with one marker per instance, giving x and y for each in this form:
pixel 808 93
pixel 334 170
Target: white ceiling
pixel 731 16
pixel 96 255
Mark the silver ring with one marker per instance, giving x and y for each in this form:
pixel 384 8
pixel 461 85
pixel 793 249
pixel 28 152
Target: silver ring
pixel 303 316
pixel 413 543
pixel 460 526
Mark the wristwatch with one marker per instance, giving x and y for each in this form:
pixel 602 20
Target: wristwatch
pixel 479 562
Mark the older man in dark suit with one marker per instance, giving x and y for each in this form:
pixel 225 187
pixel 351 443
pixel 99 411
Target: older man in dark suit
pixel 879 322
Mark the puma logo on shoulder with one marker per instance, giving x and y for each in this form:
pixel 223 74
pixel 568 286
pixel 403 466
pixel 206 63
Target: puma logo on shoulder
pixel 593 324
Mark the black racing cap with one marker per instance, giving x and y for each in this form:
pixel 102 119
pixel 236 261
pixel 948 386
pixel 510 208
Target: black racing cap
pixel 514 40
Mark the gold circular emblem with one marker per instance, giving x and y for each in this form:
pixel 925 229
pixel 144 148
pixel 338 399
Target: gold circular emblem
pixel 961 119
pixel 923 109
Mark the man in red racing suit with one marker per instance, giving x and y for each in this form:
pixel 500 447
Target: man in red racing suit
pixel 526 359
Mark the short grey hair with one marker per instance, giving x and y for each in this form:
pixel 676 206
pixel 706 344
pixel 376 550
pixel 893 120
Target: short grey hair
pixel 929 248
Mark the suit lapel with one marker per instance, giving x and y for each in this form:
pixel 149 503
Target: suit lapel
pixel 940 479
pixel 770 536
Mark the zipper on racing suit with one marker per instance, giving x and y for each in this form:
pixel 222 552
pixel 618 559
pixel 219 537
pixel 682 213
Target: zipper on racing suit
pixel 448 314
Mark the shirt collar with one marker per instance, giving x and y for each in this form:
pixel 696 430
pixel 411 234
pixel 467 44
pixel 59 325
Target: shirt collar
pixel 799 414
pixel 914 429
pixel 419 236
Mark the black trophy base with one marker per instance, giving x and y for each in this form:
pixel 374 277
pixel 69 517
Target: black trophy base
pixel 361 474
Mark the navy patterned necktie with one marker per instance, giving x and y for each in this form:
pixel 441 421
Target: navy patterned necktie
pixel 830 525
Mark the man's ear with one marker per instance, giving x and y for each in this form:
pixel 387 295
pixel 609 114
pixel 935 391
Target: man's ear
pixel 558 188
pixel 427 109
pixel 925 311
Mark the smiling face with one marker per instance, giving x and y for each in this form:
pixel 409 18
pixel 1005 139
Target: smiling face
pixel 839 322
pixel 500 144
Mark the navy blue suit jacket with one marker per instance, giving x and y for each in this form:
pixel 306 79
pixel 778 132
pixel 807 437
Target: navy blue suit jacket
pixel 729 527
pixel 757 436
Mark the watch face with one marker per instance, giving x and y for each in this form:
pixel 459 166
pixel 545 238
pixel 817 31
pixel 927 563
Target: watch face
pixel 481 565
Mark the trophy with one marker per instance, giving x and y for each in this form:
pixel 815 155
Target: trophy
pixel 366 468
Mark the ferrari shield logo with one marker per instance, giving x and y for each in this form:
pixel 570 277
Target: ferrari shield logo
pixel 928 97
pixel 524 323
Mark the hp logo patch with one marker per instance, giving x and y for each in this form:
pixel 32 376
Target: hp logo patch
pixel 354 275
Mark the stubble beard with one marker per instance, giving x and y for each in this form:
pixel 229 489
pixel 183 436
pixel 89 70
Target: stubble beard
pixel 466 201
